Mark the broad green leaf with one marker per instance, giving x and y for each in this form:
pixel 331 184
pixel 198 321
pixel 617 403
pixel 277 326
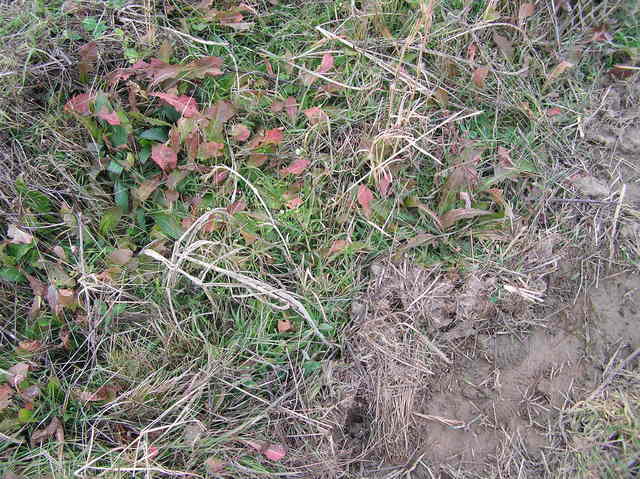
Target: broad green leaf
pixel 35 200
pixel 169 225
pixel 110 220
pixel 121 193
pixel 114 168
pixel 25 415
pixel 12 275
pixel 158 133
pixel 119 136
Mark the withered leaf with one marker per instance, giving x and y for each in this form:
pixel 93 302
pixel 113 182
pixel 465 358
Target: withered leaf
pixel 240 132
pixel 17 236
pixel 296 168
pixel 479 76
pixel 53 429
pixel 185 105
pixel 291 108
pixel 315 115
pixel 451 217
pixel 526 10
pixel 284 325
pixel 121 256
pixel 164 157
pixel 110 117
pixel 365 196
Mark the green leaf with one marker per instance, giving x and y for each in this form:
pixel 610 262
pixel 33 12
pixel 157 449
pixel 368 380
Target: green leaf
pixel 25 415
pixel 119 136
pixel 121 192
pixel 145 154
pixel 169 225
pixel 12 275
pixel 110 220
pixel 114 168
pixel 35 200
pixel 158 133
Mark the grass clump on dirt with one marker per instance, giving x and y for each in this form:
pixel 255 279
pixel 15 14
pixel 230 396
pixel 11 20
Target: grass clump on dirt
pixel 318 239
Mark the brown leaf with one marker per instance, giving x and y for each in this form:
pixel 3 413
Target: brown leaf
pixel 30 346
pixel 315 115
pixel 88 55
pixel 121 256
pixel 64 338
pixel 336 247
pixel 291 108
pixel 601 34
pixel 17 374
pixel 284 325
pixel 274 452
pixel 557 71
pixel 5 396
pixel 103 393
pixel 479 76
pixel 164 157
pixel 53 429
pixel 109 117
pixel 219 177
pixel 296 168
pixel 38 287
pixel 66 297
pixel 526 10
pixel 472 51
pixel 166 51
pixel 452 216
pixel 504 44
pixel 276 107
pixel 59 252
pixel 214 465
pixel 505 157
pixel 185 105
pixel 365 196
pixel 145 190
pixel 210 149
pixel 52 300
pixel 236 207
pixel 384 184
pixel 622 71
pixel 221 112
pixel 31 393
pixel 17 236
pixel 240 132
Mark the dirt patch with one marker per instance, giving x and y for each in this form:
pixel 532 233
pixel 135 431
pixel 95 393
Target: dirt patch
pixel 434 373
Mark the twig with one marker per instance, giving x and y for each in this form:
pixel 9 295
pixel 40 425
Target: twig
pixel 611 376
pixel 616 216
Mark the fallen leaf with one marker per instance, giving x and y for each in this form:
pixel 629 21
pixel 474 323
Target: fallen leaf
pixel 336 247
pixel 554 111
pixel 144 191
pixel 88 55
pixel 505 157
pixel 109 117
pixel 79 104
pixel 294 203
pixel 295 168
pixel 220 112
pixel 101 394
pixel 164 157
pixel 219 177
pixel 64 336
pixel 451 217
pixel 121 256
pixel 31 393
pixel 384 184
pixel 236 207
pixel 276 107
pixel 273 137
pixel 185 105
pixel 315 115
pixel 326 64
pixel 479 76
pixel 284 325
pixel 59 252
pixel 166 51
pixel 53 429
pixel 274 452
pixel 17 374
pixel 291 108
pixel 17 236
pixel 472 51
pixel 52 300
pixel 30 346
pixel 240 132
pixel 364 199
pixel 5 396
pixel 504 44
pixel 214 465
pixel 601 34
pixel 526 10
pixel 210 149
pixel 557 71
pixel 66 297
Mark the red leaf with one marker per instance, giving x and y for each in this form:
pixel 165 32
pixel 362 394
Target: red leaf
pixel 185 105
pixel 479 76
pixel 315 115
pixel 554 111
pixel 79 104
pixel 326 64
pixel 164 157
pixel 240 132
pixel 364 198
pixel 236 207
pixel 30 346
pixel 221 112
pixel 88 56
pixel 472 50
pixel 210 149
pixel 276 107
pixel 295 168
pixel 601 34
pixel 275 452
pixel 336 247
pixel 294 203
pixel 220 176
pixel 291 108
pixel 111 118
pixel 206 66
pixel 273 137
pixel 505 157
pixel 384 183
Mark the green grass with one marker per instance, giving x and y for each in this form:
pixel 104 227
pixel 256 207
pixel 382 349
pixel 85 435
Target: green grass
pixel 175 355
